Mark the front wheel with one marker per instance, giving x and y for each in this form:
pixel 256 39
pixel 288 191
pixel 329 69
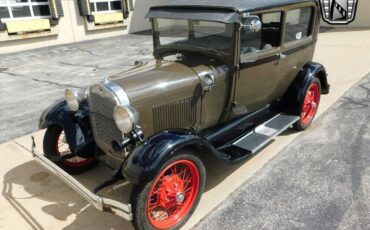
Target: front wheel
pixel 168 201
pixel 55 144
pixel 309 105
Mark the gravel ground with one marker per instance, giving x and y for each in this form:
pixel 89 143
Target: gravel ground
pixel 30 81
pixel 321 181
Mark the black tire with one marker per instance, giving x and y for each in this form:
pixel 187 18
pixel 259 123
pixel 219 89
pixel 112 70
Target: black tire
pixel 50 149
pixel 140 194
pixel 303 123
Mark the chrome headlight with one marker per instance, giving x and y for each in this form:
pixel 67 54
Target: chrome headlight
pixel 73 99
pixel 126 118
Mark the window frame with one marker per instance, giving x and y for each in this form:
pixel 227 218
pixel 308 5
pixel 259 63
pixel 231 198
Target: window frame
pixel 30 4
pixel 262 54
pixel 311 28
pixel 109 7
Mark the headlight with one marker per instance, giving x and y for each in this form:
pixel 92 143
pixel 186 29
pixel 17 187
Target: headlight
pixel 73 99
pixel 126 118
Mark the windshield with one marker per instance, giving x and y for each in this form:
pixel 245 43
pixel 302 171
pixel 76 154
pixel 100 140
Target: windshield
pixel 199 35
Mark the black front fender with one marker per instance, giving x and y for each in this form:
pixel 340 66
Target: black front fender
pixel 77 131
pixel 144 162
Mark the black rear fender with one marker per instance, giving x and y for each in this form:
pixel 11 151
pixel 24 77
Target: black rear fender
pixel 296 92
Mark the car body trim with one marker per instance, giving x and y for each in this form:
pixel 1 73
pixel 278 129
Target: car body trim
pixel 119 94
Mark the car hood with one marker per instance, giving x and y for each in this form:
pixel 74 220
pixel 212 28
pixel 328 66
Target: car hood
pixel 155 84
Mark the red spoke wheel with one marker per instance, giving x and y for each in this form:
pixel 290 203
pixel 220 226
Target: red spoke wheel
pixel 309 105
pixel 62 148
pixel 169 200
pixel 173 194
pixel 55 144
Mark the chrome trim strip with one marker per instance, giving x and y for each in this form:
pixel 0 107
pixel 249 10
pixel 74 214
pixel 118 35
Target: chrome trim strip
pixel 100 203
pixel 117 91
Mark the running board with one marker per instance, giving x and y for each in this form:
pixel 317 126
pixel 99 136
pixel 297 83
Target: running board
pixel 264 133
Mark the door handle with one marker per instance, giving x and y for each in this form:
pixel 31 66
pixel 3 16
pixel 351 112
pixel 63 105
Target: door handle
pixel 281 55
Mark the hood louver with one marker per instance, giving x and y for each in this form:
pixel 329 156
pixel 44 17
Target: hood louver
pixel 181 113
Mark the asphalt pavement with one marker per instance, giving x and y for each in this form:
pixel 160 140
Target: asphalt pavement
pixel 31 80
pixel 320 181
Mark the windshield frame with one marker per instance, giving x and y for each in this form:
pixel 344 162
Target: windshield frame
pixel 162 51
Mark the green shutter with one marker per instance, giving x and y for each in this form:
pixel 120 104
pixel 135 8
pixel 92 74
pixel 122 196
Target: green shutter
pixel 2 25
pixel 125 8
pixel 131 5
pixel 84 6
pixel 56 9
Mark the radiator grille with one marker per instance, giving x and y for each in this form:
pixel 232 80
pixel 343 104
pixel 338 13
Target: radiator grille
pixel 101 104
pixel 107 131
pixel 179 114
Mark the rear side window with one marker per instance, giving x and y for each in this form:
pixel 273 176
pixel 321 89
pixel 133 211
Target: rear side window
pixel 298 22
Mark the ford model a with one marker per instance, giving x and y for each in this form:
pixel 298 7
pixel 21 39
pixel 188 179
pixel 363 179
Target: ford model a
pixel 227 78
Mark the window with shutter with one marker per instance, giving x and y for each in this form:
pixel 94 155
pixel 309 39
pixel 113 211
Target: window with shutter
pixel 20 10
pixel 104 10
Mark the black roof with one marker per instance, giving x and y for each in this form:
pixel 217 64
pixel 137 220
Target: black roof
pixel 234 5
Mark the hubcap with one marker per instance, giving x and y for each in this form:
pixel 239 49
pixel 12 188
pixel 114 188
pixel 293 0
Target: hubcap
pixel 310 104
pixel 180 198
pixel 173 194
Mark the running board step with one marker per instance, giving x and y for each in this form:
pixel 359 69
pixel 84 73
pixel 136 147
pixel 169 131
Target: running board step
pixel 264 133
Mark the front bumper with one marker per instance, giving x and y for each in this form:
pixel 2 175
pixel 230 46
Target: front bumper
pixel 100 203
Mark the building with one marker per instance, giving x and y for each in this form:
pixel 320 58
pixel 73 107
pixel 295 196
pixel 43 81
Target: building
pixel 29 24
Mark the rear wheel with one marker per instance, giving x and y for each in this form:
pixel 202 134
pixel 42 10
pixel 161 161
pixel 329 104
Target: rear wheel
pixel 55 144
pixel 309 105
pixel 168 201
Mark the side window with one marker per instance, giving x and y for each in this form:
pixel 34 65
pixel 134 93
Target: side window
pixel 298 24
pixel 265 39
pixel 105 6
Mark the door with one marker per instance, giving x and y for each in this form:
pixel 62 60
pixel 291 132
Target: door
pixel 260 57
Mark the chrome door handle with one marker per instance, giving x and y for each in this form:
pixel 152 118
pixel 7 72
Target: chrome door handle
pixel 281 55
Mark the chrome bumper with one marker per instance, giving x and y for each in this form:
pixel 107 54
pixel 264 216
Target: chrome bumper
pixel 100 203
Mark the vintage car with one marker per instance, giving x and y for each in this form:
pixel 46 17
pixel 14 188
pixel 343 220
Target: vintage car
pixel 227 78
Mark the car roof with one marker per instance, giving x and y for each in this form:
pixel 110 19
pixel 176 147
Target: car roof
pixel 233 5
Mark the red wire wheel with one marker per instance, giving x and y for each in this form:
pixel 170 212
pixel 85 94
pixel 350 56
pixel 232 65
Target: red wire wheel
pixel 173 194
pixel 310 104
pixel 62 148
pixel 55 144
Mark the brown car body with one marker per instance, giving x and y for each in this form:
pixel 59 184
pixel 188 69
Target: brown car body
pixel 224 95
pixel 239 89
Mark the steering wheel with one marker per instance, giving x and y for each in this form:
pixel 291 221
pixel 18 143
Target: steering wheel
pixel 210 41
